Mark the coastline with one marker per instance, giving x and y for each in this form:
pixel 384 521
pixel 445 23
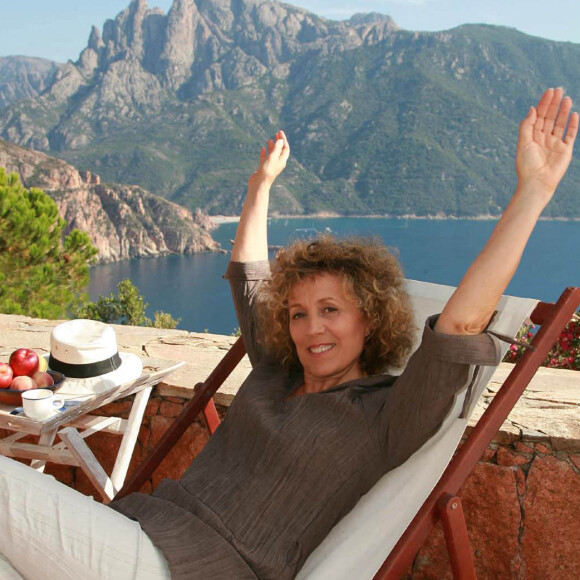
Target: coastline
pixel 218 220
pixel 222 219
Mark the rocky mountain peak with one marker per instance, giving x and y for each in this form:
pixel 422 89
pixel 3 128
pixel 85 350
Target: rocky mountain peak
pixel 197 42
pixel 124 34
pixel 145 57
pixel 373 18
pixel 95 40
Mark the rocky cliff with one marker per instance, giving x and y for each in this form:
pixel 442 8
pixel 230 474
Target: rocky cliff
pixel 123 221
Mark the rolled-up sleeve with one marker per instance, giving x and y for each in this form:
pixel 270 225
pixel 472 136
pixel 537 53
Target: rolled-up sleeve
pixel 245 279
pixel 422 396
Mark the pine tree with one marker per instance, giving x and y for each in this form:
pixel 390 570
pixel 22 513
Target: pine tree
pixel 42 273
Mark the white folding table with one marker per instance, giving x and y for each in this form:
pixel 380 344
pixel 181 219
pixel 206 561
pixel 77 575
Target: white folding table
pixel 74 424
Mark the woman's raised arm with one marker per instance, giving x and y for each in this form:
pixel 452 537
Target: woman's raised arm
pixel 545 144
pixel 251 243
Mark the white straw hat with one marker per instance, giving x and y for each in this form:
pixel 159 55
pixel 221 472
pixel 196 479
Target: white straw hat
pixel 86 352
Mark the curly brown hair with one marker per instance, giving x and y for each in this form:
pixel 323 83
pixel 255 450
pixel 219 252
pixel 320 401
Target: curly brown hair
pixel 371 275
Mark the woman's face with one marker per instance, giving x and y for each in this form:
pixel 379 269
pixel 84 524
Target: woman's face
pixel 328 331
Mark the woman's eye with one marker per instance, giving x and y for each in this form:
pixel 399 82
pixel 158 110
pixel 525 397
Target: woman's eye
pixel 298 315
pixel 330 309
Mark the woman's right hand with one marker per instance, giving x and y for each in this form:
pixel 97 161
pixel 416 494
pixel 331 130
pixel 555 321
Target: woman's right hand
pixel 251 241
pixel 545 144
pixel 272 161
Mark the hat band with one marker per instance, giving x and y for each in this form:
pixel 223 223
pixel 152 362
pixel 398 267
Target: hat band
pixel 85 371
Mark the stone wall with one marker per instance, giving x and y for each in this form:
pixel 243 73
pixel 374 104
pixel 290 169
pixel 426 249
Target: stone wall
pixel 522 500
pixel 521 504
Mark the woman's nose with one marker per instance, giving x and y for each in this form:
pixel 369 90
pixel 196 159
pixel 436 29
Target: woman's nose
pixel 315 325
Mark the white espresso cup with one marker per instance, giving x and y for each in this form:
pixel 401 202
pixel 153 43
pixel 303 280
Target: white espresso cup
pixel 41 403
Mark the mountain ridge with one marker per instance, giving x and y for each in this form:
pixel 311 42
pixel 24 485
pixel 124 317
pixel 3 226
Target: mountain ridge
pixel 381 120
pixel 24 77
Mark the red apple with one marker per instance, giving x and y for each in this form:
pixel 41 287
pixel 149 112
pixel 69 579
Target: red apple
pixel 23 383
pixel 42 379
pixel 6 375
pixel 24 362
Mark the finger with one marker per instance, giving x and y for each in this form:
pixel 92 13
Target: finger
pixel 282 135
pixel 278 147
pixel 270 145
pixel 527 125
pixel 261 161
pixel 552 111
pixel 286 150
pixel 542 108
pixel 572 129
pixel 562 118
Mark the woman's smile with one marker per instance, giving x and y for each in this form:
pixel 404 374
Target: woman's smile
pixel 320 348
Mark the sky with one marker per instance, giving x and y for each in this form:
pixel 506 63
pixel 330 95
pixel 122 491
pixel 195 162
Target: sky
pixel 59 29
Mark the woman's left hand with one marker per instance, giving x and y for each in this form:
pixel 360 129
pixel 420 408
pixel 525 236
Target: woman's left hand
pixel 545 145
pixel 544 152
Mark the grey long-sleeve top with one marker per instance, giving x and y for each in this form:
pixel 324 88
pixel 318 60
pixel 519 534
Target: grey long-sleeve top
pixel 280 472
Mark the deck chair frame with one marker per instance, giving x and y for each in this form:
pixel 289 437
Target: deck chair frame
pixel 443 502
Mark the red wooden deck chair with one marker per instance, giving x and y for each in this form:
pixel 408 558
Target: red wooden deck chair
pixel 380 537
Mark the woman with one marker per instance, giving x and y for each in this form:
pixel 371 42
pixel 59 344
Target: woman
pixel 315 425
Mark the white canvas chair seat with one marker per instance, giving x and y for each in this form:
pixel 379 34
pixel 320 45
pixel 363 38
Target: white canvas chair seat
pixel 7 572
pixel 357 546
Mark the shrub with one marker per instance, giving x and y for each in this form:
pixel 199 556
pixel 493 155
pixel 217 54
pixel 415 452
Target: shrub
pixel 564 355
pixel 125 307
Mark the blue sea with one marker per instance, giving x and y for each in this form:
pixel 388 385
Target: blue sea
pixel 191 287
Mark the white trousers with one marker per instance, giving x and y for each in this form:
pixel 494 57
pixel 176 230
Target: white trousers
pixel 49 531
